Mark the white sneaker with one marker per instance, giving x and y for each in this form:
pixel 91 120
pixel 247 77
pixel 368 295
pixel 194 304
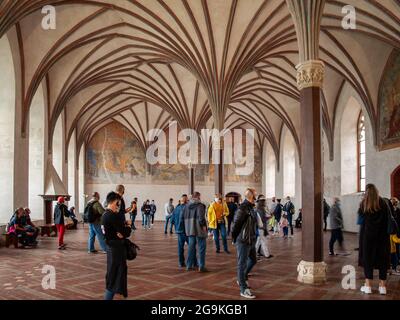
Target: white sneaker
pixel 247 294
pixel 382 290
pixel 366 290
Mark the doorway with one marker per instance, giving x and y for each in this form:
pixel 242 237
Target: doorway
pixel 395 182
pixel 236 196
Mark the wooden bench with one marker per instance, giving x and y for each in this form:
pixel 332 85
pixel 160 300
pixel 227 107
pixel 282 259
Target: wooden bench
pixel 11 238
pixel 47 229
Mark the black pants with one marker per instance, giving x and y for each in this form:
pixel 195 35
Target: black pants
pixel 369 273
pixel 152 218
pixel 325 223
pixel 336 235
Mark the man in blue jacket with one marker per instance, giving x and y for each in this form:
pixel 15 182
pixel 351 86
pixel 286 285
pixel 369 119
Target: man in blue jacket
pixel 178 221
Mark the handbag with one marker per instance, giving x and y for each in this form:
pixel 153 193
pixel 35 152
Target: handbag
pixel 131 250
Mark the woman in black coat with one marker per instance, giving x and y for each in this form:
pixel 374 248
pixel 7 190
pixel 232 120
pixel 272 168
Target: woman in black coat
pixel 115 232
pixel 374 238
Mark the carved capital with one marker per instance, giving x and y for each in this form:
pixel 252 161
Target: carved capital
pixel 310 74
pixel 312 272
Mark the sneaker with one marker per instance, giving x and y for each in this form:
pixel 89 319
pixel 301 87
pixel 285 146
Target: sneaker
pixel 171 232
pixel 247 294
pixel 103 252
pixel 165 232
pixel 270 256
pixel 182 266
pixel 367 290
pixel 217 251
pixel 382 290
pixel 61 248
pixel 189 269
pixel 203 270
pixel 332 254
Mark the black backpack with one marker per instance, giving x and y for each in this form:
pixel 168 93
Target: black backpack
pixel 89 215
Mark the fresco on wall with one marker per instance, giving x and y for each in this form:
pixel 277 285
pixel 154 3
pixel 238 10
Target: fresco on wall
pixel 114 156
pixel 389 102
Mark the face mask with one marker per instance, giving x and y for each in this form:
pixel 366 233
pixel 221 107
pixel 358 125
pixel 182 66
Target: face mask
pixel 216 199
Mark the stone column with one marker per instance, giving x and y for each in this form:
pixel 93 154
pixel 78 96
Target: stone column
pixel 191 179
pixel 219 169
pixel 307 15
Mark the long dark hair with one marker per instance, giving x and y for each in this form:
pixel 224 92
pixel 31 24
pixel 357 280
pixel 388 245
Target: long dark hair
pixel 370 202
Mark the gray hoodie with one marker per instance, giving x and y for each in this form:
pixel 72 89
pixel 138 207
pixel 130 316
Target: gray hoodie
pixel 194 216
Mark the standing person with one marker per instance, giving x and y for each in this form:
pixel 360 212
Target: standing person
pixel 133 213
pixel 327 209
pixel 336 221
pixel 146 209
pixel 263 216
pixel 396 216
pixel 374 238
pixel 153 209
pixel 179 224
pixel 244 235
pixel 94 211
pixel 217 221
pixel 122 208
pixel 116 232
pixel 290 210
pixel 232 206
pixel 60 211
pixel 277 215
pixel 168 209
pixel 194 216
pixel 284 224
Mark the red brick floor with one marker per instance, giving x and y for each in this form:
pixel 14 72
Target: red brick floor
pixel 155 273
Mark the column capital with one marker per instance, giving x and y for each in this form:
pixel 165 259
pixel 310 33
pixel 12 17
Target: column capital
pixel 310 74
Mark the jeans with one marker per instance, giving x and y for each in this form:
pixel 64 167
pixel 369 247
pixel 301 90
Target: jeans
pixel 202 244
pixel 168 219
pixel 336 235
pixel 147 218
pixel 108 295
pixel 220 228
pixel 61 231
pixel 133 218
pixel 285 231
pixel 229 226
pixel 95 231
pixel 142 219
pixel 182 238
pixel 246 259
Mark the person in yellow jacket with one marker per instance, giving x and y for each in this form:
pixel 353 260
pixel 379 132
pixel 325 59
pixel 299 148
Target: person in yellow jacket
pixel 217 221
pixel 394 239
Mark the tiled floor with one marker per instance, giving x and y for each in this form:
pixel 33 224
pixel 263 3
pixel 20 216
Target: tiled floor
pixel 155 273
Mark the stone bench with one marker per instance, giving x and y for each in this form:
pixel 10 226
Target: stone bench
pixel 11 238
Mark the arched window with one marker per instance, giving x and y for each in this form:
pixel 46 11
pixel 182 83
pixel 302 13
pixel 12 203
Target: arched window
pixel 361 153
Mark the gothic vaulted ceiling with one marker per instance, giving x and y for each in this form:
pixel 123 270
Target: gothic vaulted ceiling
pixel 221 63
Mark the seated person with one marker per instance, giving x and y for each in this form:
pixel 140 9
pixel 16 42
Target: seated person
pixel 72 223
pixel 25 233
pixel 299 220
pixel 28 224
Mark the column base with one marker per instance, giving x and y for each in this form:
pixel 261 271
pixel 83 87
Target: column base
pixel 312 272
